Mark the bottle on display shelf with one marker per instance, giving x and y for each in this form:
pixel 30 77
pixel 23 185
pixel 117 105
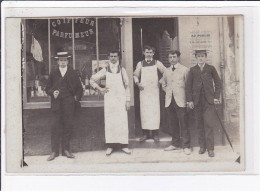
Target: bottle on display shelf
pixel 40 91
pixel 87 82
pixel 32 91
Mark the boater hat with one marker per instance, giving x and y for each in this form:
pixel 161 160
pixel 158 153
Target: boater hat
pixel 200 52
pixel 62 55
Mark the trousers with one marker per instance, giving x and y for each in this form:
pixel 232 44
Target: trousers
pixel 62 126
pixel 177 122
pixel 205 117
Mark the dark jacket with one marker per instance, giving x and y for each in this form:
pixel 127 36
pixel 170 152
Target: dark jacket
pixel 73 82
pixel 205 78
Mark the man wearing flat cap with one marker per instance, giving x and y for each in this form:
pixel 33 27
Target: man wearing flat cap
pixel 65 90
pixel 201 95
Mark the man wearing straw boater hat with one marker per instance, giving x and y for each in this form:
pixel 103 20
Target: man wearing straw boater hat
pixel 201 96
pixel 65 90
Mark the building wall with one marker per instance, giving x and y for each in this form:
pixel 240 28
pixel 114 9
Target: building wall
pixel 232 37
pixel 222 38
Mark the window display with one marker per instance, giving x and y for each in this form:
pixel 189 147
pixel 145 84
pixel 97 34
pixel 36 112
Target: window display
pixel 88 41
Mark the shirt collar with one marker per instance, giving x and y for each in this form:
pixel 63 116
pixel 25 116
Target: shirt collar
pixel 202 66
pixel 113 65
pixel 175 66
pixel 170 67
pixel 63 69
pixel 149 60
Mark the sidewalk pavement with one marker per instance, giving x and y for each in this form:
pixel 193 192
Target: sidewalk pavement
pixel 141 160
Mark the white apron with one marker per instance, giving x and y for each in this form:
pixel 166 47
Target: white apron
pixel 149 98
pixel 116 121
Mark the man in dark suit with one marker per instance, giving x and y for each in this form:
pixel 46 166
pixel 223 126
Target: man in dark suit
pixel 201 95
pixel 65 90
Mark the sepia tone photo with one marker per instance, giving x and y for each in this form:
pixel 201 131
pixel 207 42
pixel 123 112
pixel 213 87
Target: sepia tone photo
pixel 132 94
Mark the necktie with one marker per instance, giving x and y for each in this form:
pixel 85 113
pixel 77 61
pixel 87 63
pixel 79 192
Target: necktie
pixel 173 68
pixel 201 67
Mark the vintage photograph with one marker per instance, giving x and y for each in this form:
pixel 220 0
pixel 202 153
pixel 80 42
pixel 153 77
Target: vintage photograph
pixel 122 91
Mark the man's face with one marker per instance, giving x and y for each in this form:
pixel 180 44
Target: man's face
pixel 201 58
pixel 113 57
pixel 173 59
pixel 63 62
pixel 148 54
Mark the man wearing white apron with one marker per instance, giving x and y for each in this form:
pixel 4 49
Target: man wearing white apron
pixel 116 101
pixel 146 78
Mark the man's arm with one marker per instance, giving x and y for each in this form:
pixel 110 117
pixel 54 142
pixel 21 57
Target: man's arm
pixel 160 67
pixel 217 83
pixel 137 72
pixel 186 75
pixel 188 86
pixel 126 82
pixel 164 82
pixel 95 78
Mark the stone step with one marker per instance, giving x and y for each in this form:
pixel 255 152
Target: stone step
pixel 150 143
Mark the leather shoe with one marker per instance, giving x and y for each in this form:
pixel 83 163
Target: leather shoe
pixel 171 147
pixel 52 156
pixel 109 151
pixel 187 151
pixel 143 138
pixel 156 138
pixel 211 153
pixel 68 154
pixel 202 150
pixel 126 150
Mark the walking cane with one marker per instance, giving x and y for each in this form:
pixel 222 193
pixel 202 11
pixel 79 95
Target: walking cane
pixel 225 132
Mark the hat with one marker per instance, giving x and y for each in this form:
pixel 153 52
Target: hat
pixel 200 52
pixel 62 55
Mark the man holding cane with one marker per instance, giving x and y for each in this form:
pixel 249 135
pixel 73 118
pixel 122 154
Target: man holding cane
pixel 201 96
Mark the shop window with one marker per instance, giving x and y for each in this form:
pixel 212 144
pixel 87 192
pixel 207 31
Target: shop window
pixel 88 40
pixel 37 60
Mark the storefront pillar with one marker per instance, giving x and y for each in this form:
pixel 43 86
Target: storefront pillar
pixel 127 51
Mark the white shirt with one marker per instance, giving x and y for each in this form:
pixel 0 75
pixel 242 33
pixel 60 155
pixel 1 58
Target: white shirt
pixel 147 60
pixel 102 74
pixel 63 70
pixel 114 67
pixel 201 66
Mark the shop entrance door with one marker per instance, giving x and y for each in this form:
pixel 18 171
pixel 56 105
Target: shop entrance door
pixel 160 33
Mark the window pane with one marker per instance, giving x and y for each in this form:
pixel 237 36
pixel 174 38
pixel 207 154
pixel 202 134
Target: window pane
pixel 85 53
pixel 60 39
pixel 37 59
pixel 108 39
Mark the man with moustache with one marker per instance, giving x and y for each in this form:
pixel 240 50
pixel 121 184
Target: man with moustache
pixel 116 103
pixel 65 90
pixel 147 79
pixel 201 96
pixel 173 83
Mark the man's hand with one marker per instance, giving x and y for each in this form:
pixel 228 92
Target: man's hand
pixel 103 90
pixel 216 101
pixel 56 94
pixel 190 105
pixel 140 86
pixel 127 105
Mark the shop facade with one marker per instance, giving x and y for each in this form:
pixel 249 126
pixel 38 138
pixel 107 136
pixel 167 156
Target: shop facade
pixel 89 40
